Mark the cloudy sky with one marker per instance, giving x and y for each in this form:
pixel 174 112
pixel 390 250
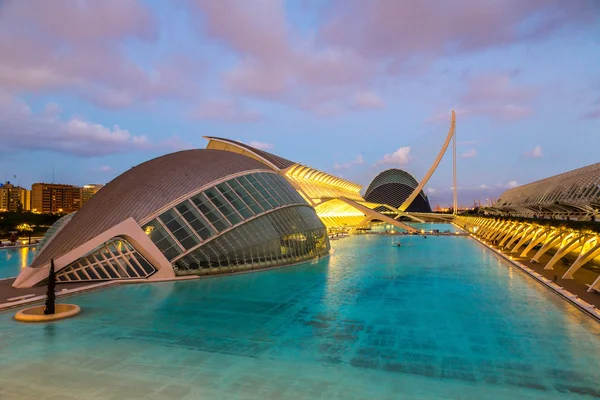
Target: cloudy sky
pixel 89 89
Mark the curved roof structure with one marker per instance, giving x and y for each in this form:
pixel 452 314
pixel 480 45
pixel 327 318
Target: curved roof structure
pixel 142 191
pixel 393 175
pixel 393 187
pixel 272 160
pixel 573 192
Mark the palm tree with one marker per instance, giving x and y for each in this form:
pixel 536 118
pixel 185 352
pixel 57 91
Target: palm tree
pixel 25 227
pixel 50 289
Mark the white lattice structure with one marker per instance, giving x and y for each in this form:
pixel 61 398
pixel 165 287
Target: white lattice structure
pixel 571 194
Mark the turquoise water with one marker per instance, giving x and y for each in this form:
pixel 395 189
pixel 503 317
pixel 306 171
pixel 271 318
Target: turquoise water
pixel 431 226
pixel 441 318
pixel 13 260
pixel 421 226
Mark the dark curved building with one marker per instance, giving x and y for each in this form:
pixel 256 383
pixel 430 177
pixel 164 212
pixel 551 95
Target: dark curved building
pixel 393 187
pixel 190 212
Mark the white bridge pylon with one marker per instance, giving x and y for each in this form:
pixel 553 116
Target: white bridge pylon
pixel 450 136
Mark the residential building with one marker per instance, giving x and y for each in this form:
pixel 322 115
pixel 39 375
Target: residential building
pixel 14 198
pixel 88 191
pixel 50 198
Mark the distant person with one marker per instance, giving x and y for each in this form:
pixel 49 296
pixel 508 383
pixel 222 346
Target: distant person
pixel 398 244
pixel 424 236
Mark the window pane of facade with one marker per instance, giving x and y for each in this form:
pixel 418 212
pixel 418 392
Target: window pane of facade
pixel 265 205
pixel 195 220
pixel 252 178
pixel 235 201
pixel 210 212
pixel 225 209
pixel 284 236
pixel 179 229
pixel 245 196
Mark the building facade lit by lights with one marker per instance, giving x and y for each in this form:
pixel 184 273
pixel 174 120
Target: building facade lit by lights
pixel 573 194
pixel 53 198
pixel 14 198
pixel 393 187
pixel 338 202
pixel 209 211
pixel 87 191
pixel 229 207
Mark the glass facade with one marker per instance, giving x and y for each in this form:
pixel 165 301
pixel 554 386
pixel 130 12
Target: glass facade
pixel 116 259
pixel 57 226
pixel 285 236
pixel 227 204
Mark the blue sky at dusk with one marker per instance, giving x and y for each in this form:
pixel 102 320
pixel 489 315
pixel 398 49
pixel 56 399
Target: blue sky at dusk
pixel 89 89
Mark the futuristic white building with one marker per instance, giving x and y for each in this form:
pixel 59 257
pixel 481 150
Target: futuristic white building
pixel 574 193
pixel 394 186
pixel 190 212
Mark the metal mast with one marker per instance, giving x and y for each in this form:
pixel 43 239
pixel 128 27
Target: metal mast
pixel 454 188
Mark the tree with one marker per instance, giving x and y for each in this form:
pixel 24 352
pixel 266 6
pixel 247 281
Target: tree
pixel 25 228
pixel 50 289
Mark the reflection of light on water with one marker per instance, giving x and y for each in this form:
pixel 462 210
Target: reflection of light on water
pixel 24 254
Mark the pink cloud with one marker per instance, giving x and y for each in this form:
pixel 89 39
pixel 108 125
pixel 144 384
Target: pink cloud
pixel 418 32
pixel 469 154
pixel 77 47
pixel 224 111
pixel 498 88
pixel 21 129
pixel 274 63
pixel 593 114
pixel 367 100
pixel 535 153
pixel 261 145
pixel 494 95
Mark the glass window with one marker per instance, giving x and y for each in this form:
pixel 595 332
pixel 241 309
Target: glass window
pixel 283 190
pixel 135 265
pixel 165 243
pixel 196 221
pixel 235 201
pixel 253 179
pixel 150 227
pixel 92 273
pixel 245 196
pixel 179 229
pixel 145 265
pixel 264 204
pixel 223 206
pixel 109 270
pixel 270 187
pixel 100 272
pixel 210 212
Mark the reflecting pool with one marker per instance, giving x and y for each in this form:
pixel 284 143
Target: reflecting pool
pixel 12 261
pixel 441 318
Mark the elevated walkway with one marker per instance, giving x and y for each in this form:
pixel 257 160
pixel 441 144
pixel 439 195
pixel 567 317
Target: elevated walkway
pixel 372 214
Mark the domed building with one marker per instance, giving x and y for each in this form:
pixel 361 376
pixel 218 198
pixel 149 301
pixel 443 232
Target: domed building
pixel 190 212
pixel 393 187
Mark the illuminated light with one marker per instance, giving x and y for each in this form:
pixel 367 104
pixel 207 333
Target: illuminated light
pixel 148 230
pixel 24 252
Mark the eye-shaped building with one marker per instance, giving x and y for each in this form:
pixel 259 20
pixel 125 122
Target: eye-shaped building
pixel 190 212
pixel 229 207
